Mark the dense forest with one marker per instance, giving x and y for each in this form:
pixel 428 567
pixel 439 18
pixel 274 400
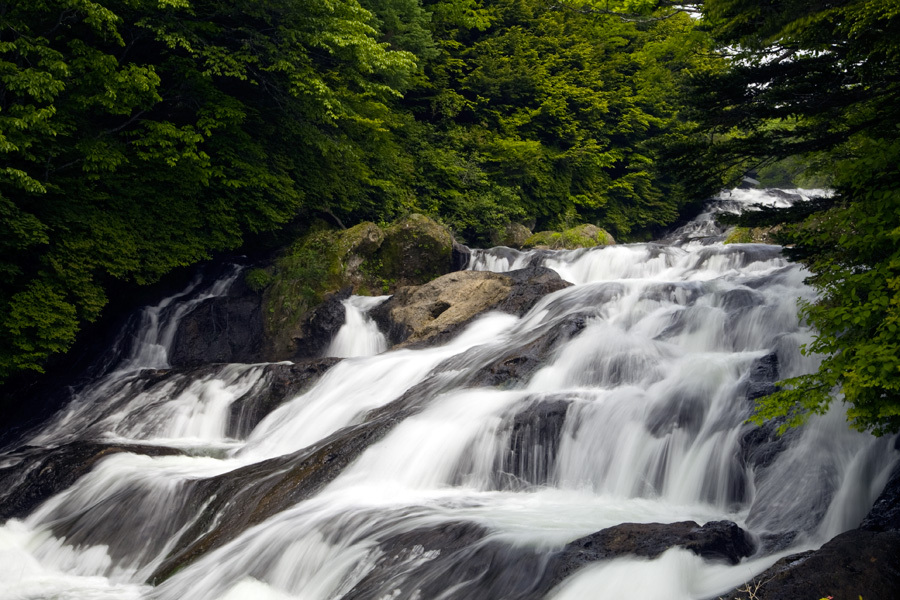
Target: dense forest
pixel 141 136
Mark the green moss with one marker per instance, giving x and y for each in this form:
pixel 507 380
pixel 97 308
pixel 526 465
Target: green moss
pixel 739 235
pixel 753 235
pixel 580 236
pixel 416 249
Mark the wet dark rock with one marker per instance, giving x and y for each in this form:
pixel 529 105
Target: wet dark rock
pixel 516 364
pixel 32 474
pixel 534 438
pixel 739 298
pixel 852 565
pixel 460 256
pixel 761 445
pixel 280 383
pixel 231 503
pixel 717 540
pixel 761 378
pixel 457 561
pixel 226 328
pixel 681 410
pixel 321 324
pixel 885 513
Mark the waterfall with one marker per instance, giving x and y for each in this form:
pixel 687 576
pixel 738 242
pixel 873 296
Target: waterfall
pixel 401 474
pixel 359 336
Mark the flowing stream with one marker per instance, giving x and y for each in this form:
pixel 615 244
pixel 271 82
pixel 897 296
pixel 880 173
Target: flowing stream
pixel 635 415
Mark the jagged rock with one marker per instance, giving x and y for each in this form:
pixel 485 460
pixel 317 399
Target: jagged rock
pixel 226 328
pixel 460 257
pixel 761 378
pixel 36 474
pixel 321 324
pixel 440 308
pixel 534 439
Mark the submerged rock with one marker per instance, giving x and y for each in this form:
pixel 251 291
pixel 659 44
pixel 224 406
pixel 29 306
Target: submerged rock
pixel 858 563
pixel 230 504
pixel 460 561
pixel 885 513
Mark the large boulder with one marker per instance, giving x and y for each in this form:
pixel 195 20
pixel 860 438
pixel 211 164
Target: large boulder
pixel 433 312
pixel 416 249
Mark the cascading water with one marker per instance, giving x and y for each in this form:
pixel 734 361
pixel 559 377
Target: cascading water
pixel 359 335
pixel 428 483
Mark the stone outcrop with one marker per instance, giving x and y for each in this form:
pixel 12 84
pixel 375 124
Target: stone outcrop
pixel 301 302
pixel 226 328
pixel 415 250
pixel 433 312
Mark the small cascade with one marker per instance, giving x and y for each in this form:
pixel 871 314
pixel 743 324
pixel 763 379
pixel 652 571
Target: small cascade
pixel 359 336
pixel 101 406
pixel 453 471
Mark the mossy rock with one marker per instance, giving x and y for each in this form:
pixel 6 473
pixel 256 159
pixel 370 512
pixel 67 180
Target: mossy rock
pixel 580 236
pixel 753 235
pixel 364 259
pixel 415 250
pixel 513 235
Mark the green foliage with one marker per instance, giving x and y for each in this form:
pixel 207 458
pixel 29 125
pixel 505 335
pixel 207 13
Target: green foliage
pixel 551 117
pixel 140 136
pixel 258 279
pixel 145 135
pixel 784 98
pixel 853 250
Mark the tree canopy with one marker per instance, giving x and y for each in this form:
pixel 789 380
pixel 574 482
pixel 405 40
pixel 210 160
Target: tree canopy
pixel 138 135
